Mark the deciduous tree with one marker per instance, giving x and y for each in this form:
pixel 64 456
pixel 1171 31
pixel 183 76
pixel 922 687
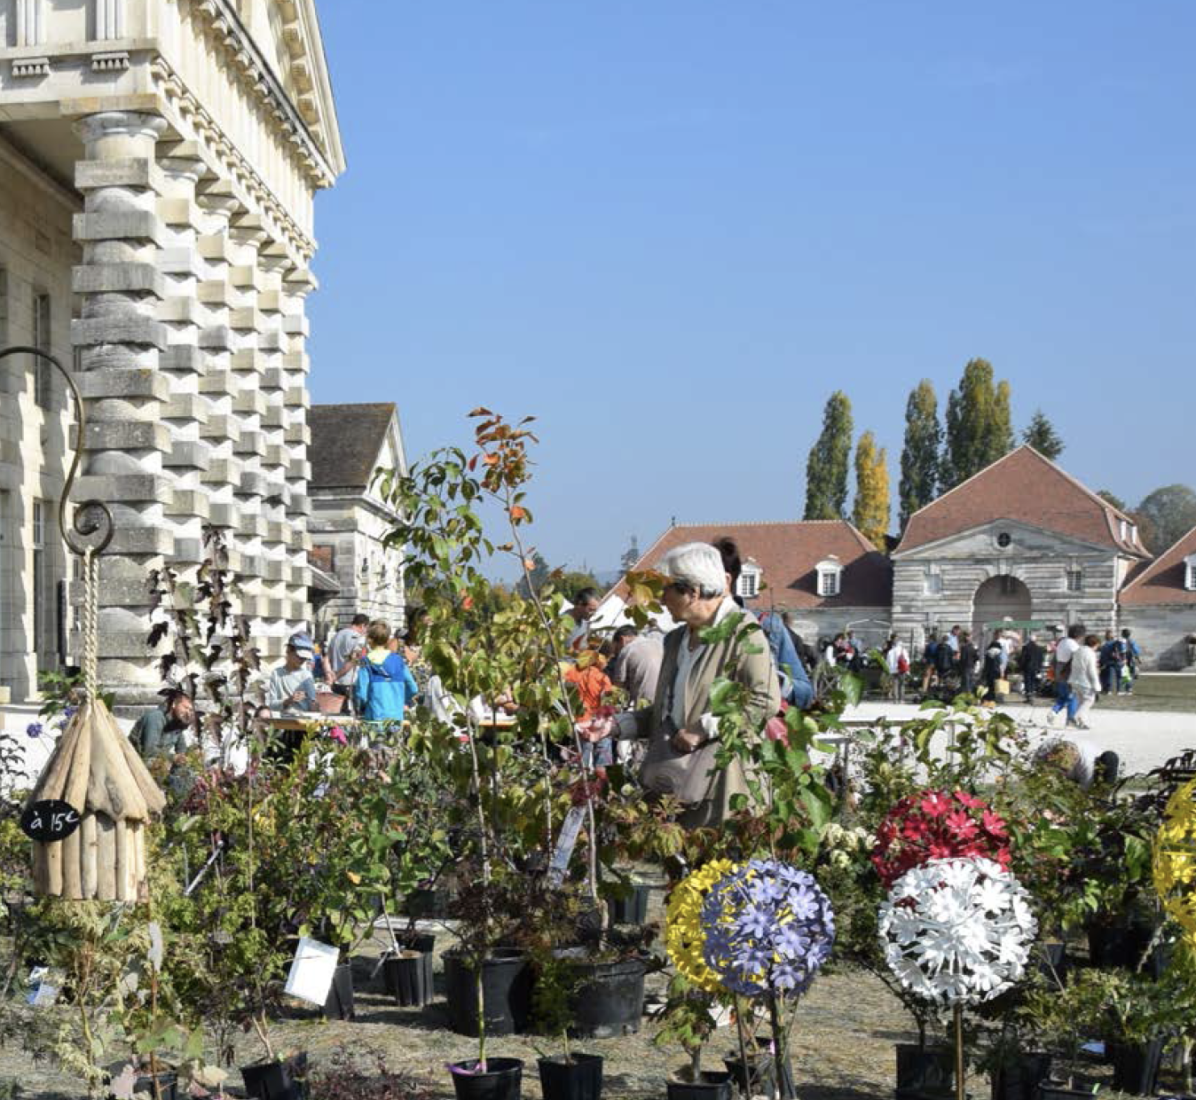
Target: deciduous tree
pixel 979 429
pixel 920 455
pixel 871 509
pixel 1170 511
pixel 827 465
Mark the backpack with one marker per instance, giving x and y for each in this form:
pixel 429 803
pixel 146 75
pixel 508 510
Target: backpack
pixel 944 657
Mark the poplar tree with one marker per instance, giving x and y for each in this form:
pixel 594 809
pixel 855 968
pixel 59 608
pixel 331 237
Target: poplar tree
pixel 870 512
pixel 919 483
pixel 1041 435
pixel 979 429
pixel 827 465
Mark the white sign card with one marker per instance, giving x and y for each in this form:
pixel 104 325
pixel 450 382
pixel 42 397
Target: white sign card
pixel 312 971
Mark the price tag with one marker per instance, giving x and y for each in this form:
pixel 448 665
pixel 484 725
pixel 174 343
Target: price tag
pixel 565 845
pixel 49 820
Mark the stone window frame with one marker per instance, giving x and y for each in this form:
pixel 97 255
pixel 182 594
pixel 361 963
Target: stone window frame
pixel 1190 572
pixel 41 336
pixel 1074 578
pixel 748 585
pixel 932 580
pixel 830 578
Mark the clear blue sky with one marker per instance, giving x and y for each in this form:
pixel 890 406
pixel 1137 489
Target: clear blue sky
pixel 670 228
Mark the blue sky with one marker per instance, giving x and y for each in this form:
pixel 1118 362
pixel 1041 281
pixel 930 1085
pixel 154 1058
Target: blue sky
pixel 670 228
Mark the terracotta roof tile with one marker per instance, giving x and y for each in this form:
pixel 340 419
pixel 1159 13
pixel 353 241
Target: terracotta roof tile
pixel 787 554
pixel 1162 581
pixel 345 443
pixel 1026 487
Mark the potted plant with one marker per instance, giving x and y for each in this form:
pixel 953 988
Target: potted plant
pixel 573 1075
pixel 688 1020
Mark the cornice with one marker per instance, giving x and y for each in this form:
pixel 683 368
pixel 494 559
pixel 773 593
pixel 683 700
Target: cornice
pixel 179 96
pixel 219 18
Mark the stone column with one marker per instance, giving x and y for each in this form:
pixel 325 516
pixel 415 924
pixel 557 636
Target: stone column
pixel 297 284
pixel 120 337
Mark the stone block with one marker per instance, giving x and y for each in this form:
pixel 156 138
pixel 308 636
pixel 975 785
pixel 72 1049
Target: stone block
pixel 297 397
pixel 270 301
pixel 277 532
pixel 221 426
pixel 301 280
pixel 247 277
pixel 216 246
pixel 188 504
pixel 216 292
pixel 277 492
pixel 130 488
pixel 273 569
pixel 275 454
pixel 184 358
pixel 253 523
pixel 249 361
pixel 222 471
pixel 118 225
pixel 252 484
pixel 217 338
pixel 126 435
pixel 187 551
pixel 296 324
pixel 146 541
pixel 225 514
pixel 121 328
pixel 130 382
pixel 300 504
pixel 179 211
pixel 246 319
pixel 251 443
pixel 276 608
pixel 299 469
pixel 298 433
pixel 250 403
pixel 187 406
pixel 275 416
pixel 180 309
pixel 118 278
pixel 218 383
pixel 297 360
pixel 181 261
pixel 188 454
pixel 273 379
pixel 135 173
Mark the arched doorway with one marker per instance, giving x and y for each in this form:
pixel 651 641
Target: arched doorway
pixel 1003 597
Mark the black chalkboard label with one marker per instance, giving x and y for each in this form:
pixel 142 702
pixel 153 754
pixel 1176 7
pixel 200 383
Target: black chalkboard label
pixel 50 820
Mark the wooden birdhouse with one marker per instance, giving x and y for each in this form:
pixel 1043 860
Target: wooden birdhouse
pixel 96 795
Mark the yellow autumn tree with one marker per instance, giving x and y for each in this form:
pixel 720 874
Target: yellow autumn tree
pixel 870 512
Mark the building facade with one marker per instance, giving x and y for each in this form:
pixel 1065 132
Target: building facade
pixel 158 165
pixel 349 520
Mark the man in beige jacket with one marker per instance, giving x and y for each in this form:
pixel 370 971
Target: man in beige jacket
pixel 680 729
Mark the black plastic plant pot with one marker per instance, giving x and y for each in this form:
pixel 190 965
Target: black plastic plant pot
pixel 708 1086
pixel 502 1080
pixel 1136 1066
pixel 408 978
pixel 423 942
pixel 1019 1075
pixel 1055 1090
pixel 578 1079
pixel 506 993
pixel 632 909
pixel 609 1000
pixel 276 1080
pixel 339 1005
pixel 1052 960
pixel 924 1073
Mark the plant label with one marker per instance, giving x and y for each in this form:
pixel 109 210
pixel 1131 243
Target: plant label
pixel 564 845
pixel 49 820
pixel 312 971
pixel 44 995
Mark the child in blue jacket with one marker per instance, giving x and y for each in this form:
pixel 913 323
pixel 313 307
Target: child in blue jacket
pixel 385 685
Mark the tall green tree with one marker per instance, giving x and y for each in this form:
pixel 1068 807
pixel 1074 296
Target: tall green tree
pixel 830 458
pixel 919 483
pixel 1166 515
pixel 1041 435
pixel 870 512
pixel 979 428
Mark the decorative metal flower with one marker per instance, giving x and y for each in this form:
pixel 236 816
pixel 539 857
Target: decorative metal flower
pixel 938 825
pixel 1175 858
pixel 957 931
pixel 683 936
pixel 768 928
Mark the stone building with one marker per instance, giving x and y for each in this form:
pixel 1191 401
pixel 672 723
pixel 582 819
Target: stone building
pixel 1159 606
pixel 158 165
pixel 823 572
pixel 1021 541
pixel 349 519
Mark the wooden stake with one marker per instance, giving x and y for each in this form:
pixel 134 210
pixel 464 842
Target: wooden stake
pixel 88 844
pixel 41 879
pixel 960 1090
pixel 54 869
pixel 124 856
pixel 105 858
pixel 72 869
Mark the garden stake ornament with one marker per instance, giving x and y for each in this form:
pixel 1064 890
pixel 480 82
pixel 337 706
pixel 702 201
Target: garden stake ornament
pixel 88 811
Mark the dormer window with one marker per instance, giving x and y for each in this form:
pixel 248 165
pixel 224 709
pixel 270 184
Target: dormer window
pixel 1190 572
pixel 1125 530
pixel 830 577
pixel 1134 534
pixel 748 585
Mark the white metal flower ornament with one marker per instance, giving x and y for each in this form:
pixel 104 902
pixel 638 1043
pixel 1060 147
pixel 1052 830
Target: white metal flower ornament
pixel 957 931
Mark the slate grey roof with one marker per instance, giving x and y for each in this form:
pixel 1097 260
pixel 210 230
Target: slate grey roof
pixel 346 441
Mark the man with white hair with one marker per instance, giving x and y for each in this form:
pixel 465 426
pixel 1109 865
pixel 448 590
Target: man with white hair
pixel 679 726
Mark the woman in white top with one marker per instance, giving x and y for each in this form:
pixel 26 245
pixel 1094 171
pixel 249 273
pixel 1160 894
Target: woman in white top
pixel 897 662
pixel 1084 679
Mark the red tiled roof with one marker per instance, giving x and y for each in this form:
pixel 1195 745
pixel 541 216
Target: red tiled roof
pixel 1028 488
pixel 787 554
pixel 1162 581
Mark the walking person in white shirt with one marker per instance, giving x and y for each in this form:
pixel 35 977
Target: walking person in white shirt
pixel 1084 680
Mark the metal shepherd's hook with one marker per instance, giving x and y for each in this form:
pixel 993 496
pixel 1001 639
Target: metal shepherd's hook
pixel 92 528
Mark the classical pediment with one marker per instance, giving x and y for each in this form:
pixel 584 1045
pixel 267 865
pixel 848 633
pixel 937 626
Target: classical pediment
pixel 1002 538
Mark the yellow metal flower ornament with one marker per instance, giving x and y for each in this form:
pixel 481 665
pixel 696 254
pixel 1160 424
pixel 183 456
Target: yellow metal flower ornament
pixel 684 937
pixel 1175 859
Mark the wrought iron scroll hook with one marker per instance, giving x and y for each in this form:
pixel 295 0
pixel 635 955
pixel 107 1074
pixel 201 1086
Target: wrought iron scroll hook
pixel 93 527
